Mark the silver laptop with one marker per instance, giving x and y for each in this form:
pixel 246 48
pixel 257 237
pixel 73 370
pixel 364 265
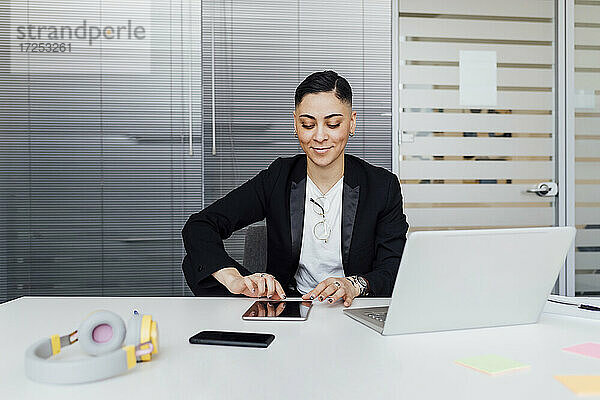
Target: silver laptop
pixel 471 279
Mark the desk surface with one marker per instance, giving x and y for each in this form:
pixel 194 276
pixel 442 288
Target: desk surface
pixel 329 356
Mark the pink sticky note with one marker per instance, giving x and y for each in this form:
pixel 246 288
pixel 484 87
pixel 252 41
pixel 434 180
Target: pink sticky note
pixel 586 349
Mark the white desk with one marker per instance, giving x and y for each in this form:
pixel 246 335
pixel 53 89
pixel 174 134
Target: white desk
pixel 329 356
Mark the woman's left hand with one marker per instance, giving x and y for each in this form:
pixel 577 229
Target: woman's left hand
pixel 333 289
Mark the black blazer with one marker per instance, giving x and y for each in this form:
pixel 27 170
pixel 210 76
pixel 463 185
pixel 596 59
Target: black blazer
pixel 373 225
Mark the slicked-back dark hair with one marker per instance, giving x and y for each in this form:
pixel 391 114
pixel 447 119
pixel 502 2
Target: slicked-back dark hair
pixel 324 81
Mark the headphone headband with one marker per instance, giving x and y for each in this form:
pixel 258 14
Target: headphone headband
pixel 110 359
pixel 40 369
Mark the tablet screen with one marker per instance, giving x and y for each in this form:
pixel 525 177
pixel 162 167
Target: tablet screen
pixel 289 310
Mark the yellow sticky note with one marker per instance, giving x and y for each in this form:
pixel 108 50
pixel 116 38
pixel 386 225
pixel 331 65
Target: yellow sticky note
pixel 581 384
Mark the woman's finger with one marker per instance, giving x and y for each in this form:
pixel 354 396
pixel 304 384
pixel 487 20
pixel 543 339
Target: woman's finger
pixel 338 294
pixel 348 301
pixel 313 294
pixel 249 285
pixel 279 289
pixel 270 285
pixel 260 282
pixel 329 290
pixel 350 295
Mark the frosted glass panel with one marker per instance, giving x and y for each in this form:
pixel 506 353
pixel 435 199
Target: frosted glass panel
pixel 470 166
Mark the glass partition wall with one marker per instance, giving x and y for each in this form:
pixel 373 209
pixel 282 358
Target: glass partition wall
pixel 468 162
pixel 585 110
pixel 487 117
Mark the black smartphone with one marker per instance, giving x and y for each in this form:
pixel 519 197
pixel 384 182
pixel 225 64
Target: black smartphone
pixel 242 339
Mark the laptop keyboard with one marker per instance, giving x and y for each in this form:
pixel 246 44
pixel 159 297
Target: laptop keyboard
pixel 377 316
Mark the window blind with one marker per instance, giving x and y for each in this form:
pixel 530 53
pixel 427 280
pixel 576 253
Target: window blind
pixel 92 146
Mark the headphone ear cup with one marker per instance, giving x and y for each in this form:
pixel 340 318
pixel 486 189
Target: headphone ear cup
pixel 134 325
pixel 102 332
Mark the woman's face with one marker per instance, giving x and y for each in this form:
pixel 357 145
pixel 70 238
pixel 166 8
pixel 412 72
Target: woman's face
pixel 323 123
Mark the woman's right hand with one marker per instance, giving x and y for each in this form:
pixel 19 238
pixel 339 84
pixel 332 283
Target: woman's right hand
pixel 256 285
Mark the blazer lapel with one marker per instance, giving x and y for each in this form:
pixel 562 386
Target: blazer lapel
pixel 350 198
pixel 297 197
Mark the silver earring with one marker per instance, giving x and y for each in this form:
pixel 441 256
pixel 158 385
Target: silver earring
pixel 351 134
pixel 295 133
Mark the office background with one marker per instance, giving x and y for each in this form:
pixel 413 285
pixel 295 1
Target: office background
pixel 100 174
pixel 103 159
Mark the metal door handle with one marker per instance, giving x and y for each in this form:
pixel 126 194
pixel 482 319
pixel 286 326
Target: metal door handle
pixel 545 189
pixel 542 190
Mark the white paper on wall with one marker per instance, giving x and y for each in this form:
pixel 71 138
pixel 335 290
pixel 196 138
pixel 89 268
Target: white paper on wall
pixel 478 78
pixel 585 99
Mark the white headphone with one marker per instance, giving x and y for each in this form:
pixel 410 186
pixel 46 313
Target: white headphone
pixel 101 335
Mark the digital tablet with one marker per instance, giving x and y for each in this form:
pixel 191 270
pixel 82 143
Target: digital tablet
pixel 278 310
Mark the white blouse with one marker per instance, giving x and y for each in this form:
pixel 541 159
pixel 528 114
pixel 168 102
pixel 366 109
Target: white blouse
pixel 320 258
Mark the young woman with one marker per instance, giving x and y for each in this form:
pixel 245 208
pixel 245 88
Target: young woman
pixel 335 224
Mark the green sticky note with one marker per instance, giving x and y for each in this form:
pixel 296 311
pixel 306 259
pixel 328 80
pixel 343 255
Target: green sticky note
pixel 491 364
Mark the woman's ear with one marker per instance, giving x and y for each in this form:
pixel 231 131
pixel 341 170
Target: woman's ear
pixel 295 127
pixel 353 122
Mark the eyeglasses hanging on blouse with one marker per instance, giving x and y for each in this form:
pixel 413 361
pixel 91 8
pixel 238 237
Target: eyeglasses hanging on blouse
pixel 321 230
